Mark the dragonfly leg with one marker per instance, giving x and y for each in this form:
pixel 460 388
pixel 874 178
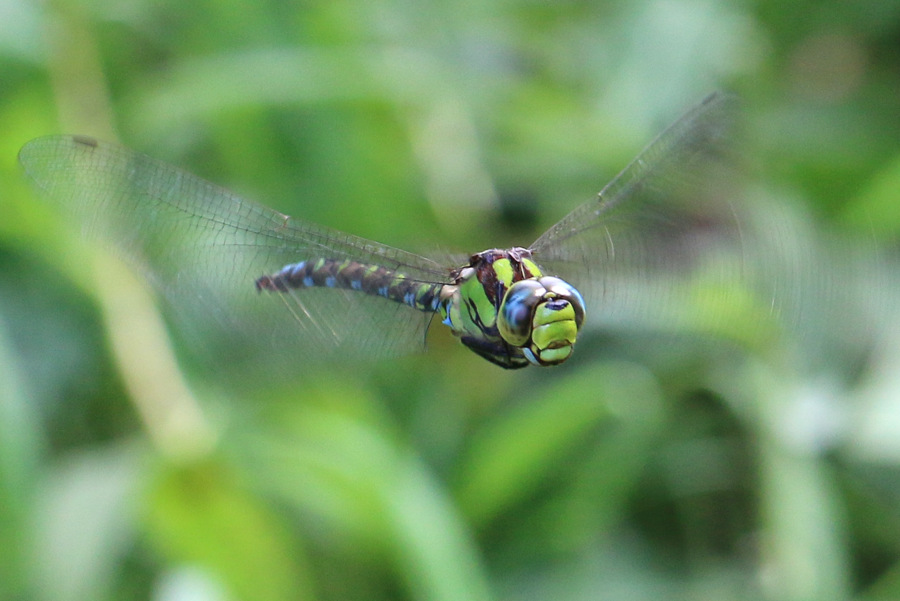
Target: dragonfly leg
pixel 498 353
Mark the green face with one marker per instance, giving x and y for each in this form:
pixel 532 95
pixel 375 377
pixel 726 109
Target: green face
pixel 502 307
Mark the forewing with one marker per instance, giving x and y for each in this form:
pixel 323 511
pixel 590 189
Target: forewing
pixel 662 243
pixel 203 248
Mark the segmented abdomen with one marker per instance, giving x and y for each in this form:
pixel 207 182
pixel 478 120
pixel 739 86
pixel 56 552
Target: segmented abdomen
pixel 350 275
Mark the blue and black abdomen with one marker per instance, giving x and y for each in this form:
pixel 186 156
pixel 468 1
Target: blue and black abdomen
pixel 351 275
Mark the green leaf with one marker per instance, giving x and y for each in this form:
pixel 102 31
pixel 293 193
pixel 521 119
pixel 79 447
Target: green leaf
pixel 509 458
pixel 200 515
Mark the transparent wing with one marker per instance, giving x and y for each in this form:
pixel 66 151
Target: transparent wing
pixel 662 239
pixel 203 248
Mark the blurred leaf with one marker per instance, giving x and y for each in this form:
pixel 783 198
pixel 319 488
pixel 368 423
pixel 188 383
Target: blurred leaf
pixel 509 458
pixel 85 523
pixel 434 547
pixel 876 210
pixel 20 446
pixel 803 519
pixel 378 499
pixel 887 588
pixel 199 515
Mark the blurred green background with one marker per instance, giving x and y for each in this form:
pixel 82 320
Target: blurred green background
pixel 641 470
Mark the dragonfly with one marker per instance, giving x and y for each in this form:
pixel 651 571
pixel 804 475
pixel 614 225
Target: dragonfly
pixel 216 255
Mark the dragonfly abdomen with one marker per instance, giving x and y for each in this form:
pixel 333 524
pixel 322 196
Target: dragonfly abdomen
pixel 374 280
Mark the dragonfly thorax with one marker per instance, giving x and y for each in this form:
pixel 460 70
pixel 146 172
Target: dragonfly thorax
pixel 502 307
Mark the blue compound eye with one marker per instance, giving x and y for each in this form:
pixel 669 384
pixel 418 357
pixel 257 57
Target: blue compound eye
pixel 517 309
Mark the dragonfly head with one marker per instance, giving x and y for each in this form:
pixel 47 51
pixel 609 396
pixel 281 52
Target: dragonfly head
pixel 542 316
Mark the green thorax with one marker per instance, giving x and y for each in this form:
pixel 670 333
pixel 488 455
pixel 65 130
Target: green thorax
pixel 471 305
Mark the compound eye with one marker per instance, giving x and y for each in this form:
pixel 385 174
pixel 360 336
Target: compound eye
pixel 517 309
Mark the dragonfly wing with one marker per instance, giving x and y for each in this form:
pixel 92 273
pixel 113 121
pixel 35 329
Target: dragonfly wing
pixel 204 247
pixel 662 232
